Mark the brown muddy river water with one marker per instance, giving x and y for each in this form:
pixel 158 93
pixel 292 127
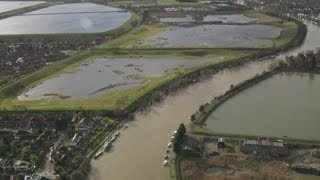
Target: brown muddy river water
pixel 139 151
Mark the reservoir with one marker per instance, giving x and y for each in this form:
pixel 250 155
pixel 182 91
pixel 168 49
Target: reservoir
pixel 285 105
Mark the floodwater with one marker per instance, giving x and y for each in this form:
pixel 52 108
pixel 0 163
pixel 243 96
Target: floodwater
pixel 270 106
pixel 233 18
pixel 100 76
pixel 13 5
pixel 139 151
pixel 215 36
pixel 75 8
pixel 185 19
pixel 66 18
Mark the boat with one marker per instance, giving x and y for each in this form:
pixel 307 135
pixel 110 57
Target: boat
pixel 98 154
pixel 117 133
pixel 113 138
pixel 107 147
pixel 169 145
pixel 165 163
pixel 125 126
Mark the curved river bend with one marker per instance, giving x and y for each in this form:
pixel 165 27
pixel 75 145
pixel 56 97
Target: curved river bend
pixel 139 151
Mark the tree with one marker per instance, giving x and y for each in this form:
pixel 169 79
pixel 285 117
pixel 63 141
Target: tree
pixel 178 140
pixel 193 117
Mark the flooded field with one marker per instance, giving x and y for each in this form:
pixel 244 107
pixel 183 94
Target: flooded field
pixel 270 106
pixel 77 17
pixel 234 18
pixel 151 131
pixel 13 5
pixel 214 36
pixel 75 8
pixel 100 76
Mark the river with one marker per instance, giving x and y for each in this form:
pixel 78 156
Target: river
pixel 139 151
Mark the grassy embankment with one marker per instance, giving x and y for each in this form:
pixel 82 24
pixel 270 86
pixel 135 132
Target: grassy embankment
pixel 109 101
pixel 20 11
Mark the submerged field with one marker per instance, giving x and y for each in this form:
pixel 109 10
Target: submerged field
pixel 275 107
pixel 114 83
pixel 13 5
pixel 247 30
pixel 103 75
pixel 79 17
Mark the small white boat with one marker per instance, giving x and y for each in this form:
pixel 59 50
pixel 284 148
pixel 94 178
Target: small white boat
pixel 98 154
pixel 125 126
pixel 165 163
pixel 175 132
pixel 117 133
pixel 169 145
pixel 113 138
pixel 107 147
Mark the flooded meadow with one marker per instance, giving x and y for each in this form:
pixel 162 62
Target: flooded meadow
pixel 100 75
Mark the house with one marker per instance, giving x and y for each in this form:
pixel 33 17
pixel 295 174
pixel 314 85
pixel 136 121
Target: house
pixel 83 125
pixel 264 147
pixel 221 143
pixel 316 153
pixel 75 140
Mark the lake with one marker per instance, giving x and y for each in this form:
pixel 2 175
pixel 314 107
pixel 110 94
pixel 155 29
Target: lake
pixel 66 18
pixel 13 5
pixel 283 105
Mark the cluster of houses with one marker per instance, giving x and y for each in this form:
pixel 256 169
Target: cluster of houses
pixel 264 147
pixel 19 57
pixel 9 167
pixel 82 128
